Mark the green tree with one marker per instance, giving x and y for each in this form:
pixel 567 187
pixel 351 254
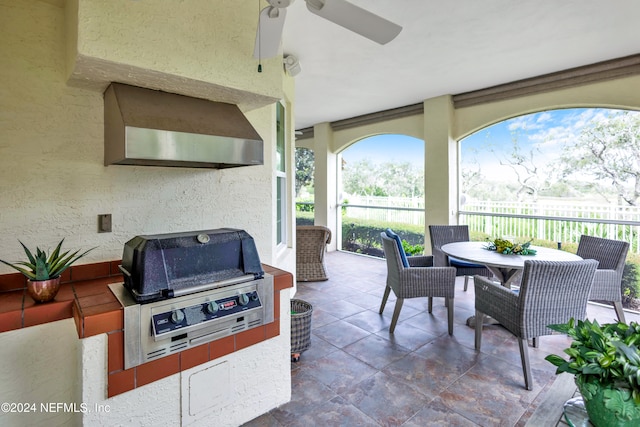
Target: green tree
pixel 305 168
pixel 387 179
pixel 608 149
pixel 531 178
pixel 402 179
pixel 471 176
pixel 362 178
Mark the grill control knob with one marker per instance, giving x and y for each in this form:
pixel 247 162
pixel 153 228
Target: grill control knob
pixel 212 307
pixel 177 316
pixel 243 299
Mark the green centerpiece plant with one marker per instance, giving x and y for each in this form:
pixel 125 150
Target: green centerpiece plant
pixel 605 361
pixel 43 270
pixel 508 247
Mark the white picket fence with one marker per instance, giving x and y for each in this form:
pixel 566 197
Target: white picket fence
pixel 558 220
pixel 402 210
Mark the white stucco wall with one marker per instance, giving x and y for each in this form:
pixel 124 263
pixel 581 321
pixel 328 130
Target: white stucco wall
pixel 52 178
pixel 200 48
pixel 38 372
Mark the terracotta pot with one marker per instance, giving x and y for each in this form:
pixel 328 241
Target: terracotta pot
pixel 43 290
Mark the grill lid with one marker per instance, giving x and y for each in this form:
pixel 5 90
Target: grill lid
pixel 157 266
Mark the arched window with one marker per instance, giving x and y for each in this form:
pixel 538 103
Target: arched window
pixel 381 186
pixel 554 176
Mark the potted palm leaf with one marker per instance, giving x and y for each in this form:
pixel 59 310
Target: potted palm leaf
pixel 43 270
pixel 605 361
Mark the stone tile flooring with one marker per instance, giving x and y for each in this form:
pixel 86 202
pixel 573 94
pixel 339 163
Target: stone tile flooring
pixel 358 374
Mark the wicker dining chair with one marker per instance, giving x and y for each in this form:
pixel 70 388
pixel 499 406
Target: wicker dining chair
pixel 551 292
pixel 443 234
pixel 415 277
pixel 607 283
pixel 311 244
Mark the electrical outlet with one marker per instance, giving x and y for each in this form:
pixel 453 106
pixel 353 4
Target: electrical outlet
pixel 104 223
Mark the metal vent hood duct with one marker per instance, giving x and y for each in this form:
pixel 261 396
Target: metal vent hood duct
pixel 153 128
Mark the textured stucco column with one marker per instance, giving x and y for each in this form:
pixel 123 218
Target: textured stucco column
pixel 440 175
pixel 325 172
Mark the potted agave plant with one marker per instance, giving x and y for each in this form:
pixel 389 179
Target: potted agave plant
pixel 605 361
pixel 43 271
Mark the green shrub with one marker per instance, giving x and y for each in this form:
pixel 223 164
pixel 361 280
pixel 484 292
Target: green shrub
pixel 304 205
pixel 363 236
pixel 304 218
pixel 412 249
pixel 630 276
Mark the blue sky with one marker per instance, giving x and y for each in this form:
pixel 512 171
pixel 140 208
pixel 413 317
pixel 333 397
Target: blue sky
pixel 545 133
pixel 387 148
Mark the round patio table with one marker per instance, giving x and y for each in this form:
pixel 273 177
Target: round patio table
pixel 506 268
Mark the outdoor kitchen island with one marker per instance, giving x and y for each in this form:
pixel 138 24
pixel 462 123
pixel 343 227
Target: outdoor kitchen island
pixel 83 381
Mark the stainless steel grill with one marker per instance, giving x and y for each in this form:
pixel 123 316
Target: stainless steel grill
pixel 186 289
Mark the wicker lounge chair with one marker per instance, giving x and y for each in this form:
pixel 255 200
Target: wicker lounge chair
pixel 551 292
pixel 611 256
pixel 408 278
pixel 443 234
pixel 311 243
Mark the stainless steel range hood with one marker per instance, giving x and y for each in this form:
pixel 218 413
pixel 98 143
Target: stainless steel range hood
pixel 154 128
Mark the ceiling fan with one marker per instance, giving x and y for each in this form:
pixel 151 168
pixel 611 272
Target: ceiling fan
pixel 339 12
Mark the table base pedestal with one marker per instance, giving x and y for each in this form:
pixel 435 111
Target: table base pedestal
pixel 488 320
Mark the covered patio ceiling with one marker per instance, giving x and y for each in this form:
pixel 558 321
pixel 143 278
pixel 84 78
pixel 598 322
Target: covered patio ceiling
pixel 447 48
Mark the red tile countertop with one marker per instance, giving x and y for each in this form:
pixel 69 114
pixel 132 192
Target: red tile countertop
pixel 85 296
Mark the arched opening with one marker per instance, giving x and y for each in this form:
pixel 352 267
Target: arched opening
pixel 554 176
pixel 381 185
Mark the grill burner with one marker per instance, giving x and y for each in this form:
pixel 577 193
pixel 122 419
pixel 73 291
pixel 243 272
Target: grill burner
pixel 186 289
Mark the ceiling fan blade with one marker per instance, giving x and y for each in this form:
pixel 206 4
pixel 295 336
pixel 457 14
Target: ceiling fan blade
pixel 269 34
pixel 356 19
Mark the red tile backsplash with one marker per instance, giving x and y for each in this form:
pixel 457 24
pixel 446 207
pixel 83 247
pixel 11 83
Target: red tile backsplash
pixel 12 301
pixel 90 271
pixel 157 369
pixel 121 382
pixel 97 299
pixel 248 338
pixel 272 329
pixel 100 323
pixel 10 321
pixel 77 316
pixel 113 267
pixel 13 281
pixel 116 351
pixel 64 293
pixel 221 347
pixel 194 356
pixel 95 286
pixel 38 314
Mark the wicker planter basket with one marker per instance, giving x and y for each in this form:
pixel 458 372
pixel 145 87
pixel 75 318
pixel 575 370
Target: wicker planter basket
pixel 301 312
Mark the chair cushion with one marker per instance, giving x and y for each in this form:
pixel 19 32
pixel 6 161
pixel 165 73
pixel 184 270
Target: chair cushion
pixel 455 262
pixel 403 256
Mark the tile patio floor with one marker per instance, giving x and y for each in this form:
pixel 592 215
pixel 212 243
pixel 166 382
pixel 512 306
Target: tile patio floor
pixel 358 374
